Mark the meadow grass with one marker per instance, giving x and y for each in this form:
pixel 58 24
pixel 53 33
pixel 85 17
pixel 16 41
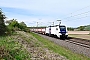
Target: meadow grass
pixel 59 49
pixel 13 50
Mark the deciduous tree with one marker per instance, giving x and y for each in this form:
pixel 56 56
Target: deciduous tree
pixel 2 24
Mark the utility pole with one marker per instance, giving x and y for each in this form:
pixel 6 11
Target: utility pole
pixel 53 23
pixel 37 27
pixel 37 24
pixel 59 22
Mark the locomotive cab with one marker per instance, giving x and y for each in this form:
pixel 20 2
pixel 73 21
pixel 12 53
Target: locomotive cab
pixel 58 30
pixel 63 32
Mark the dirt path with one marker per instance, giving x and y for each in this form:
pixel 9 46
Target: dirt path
pixel 36 48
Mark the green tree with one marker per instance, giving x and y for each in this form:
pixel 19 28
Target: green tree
pixel 87 28
pixel 13 25
pixel 2 24
pixel 22 26
pixel 81 28
pixel 70 29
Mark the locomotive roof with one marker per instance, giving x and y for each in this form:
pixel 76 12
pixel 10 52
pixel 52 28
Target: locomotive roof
pixel 56 25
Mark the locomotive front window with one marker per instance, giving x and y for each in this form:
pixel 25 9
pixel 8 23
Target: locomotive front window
pixel 62 28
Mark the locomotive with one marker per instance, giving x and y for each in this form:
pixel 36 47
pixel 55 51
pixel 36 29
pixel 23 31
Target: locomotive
pixel 58 30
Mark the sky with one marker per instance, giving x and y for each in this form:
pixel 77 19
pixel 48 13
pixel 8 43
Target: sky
pixel 72 13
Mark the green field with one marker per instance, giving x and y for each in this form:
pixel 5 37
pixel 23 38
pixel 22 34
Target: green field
pixel 82 36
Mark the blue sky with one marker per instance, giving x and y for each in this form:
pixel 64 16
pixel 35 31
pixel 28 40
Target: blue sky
pixel 72 13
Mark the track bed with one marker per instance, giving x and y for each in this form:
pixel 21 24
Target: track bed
pixel 77 45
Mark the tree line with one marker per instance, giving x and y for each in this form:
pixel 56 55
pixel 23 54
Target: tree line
pixel 80 28
pixel 10 26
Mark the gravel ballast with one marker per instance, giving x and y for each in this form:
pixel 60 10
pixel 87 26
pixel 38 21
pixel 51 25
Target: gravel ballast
pixel 73 47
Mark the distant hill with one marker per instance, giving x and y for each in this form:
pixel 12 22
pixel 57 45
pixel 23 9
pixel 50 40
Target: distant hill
pixel 84 28
pixel 87 28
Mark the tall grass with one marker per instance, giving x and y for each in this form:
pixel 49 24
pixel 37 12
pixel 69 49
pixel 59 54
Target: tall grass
pixel 12 49
pixel 60 50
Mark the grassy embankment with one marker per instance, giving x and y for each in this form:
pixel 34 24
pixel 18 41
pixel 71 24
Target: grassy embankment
pixel 10 49
pixel 60 50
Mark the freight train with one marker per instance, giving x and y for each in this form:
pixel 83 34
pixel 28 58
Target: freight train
pixel 59 31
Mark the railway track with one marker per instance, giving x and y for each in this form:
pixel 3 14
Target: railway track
pixel 77 45
pixel 79 41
